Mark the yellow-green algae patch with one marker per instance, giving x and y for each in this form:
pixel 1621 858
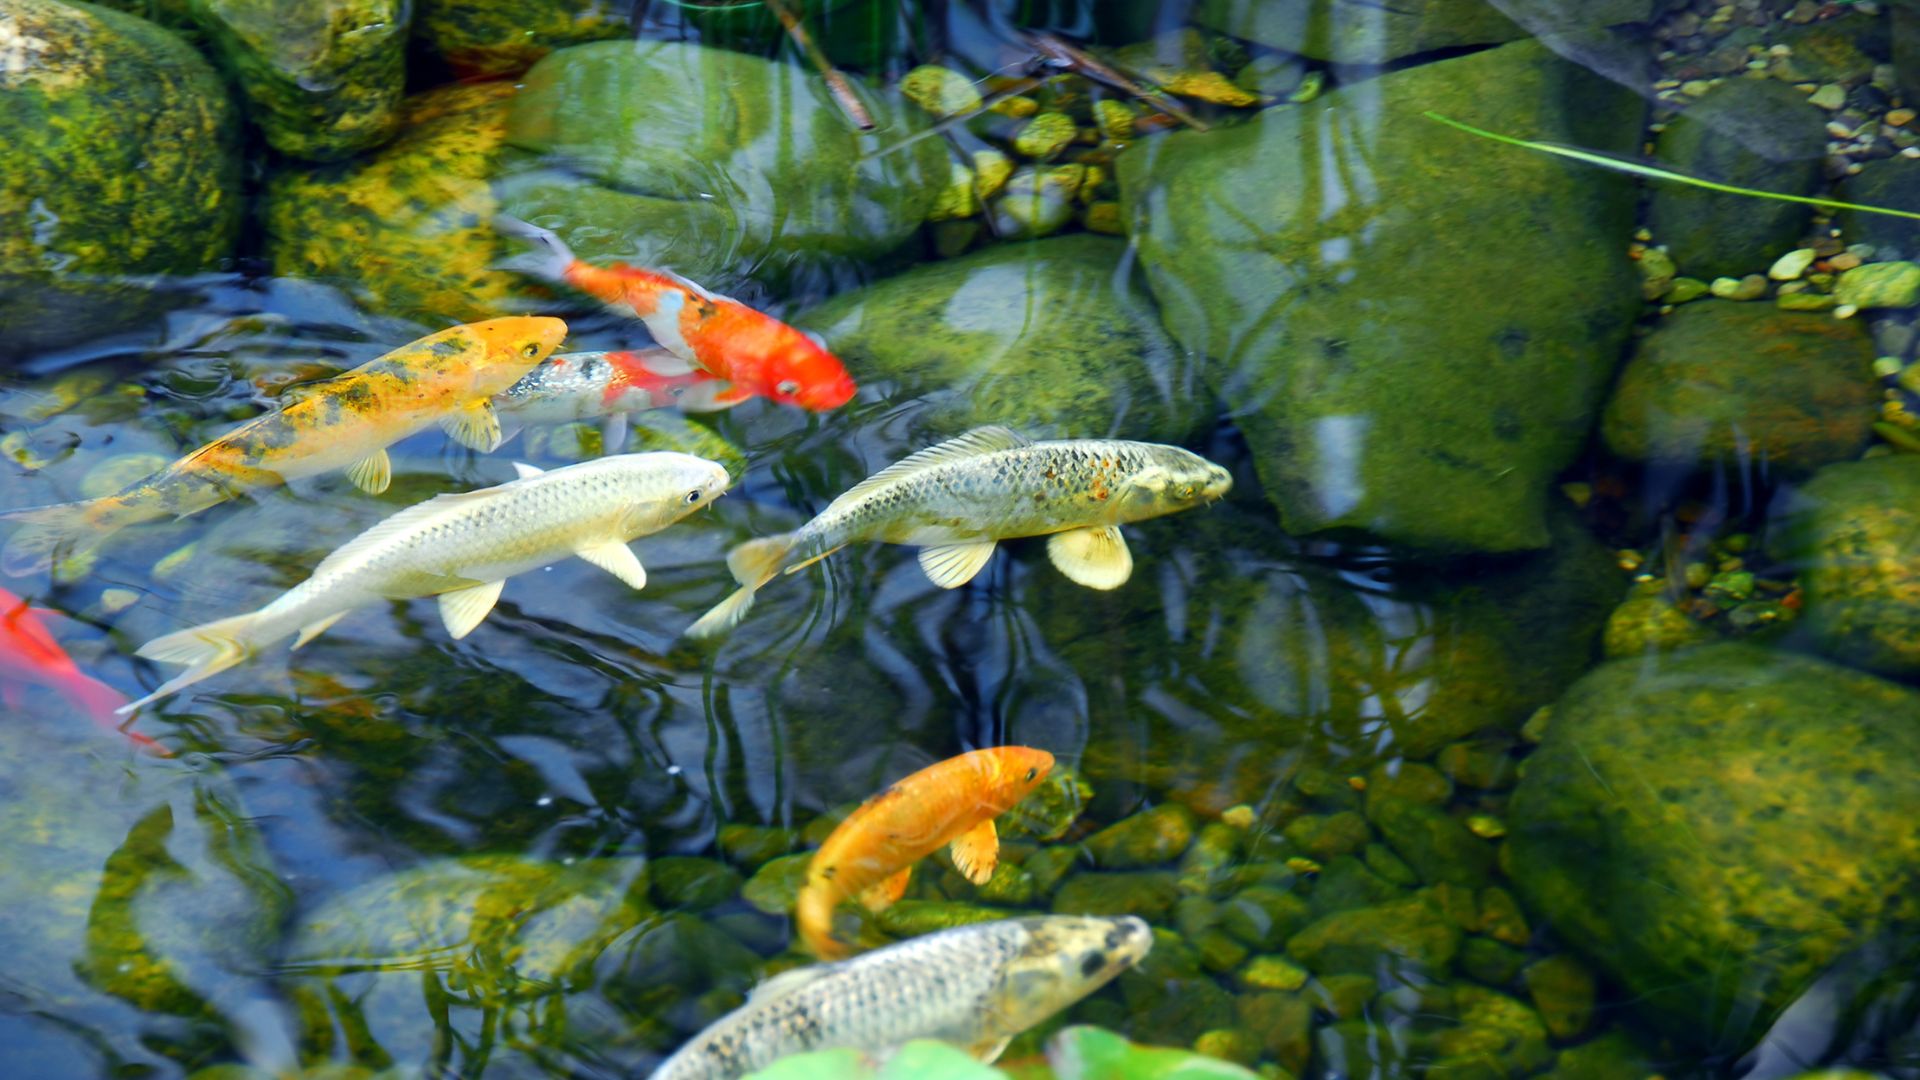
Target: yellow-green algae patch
pixel 501 37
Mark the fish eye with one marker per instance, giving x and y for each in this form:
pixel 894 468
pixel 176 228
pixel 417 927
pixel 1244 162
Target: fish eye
pixel 1091 963
pixel 1031 773
pixel 1187 492
pixel 693 496
pixel 787 388
pixel 530 349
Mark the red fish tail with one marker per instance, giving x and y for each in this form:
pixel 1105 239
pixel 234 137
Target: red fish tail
pixel 100 702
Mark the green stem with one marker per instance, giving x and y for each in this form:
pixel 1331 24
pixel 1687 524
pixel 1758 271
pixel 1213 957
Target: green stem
pixel 1652 173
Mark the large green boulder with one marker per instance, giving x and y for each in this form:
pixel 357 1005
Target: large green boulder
pixel 123 163
pixel 1725 382
pixel 1042 337
pixel 1893 183
pixel 1719 828
pixel 500 37
pixel 1849 531
pixel 1362 32
pixel 1392 376
pixel 322 78
pixel 408 227
pixel 715 164
pixel 1757 133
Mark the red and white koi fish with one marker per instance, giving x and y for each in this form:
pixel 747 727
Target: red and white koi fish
pixel 608 386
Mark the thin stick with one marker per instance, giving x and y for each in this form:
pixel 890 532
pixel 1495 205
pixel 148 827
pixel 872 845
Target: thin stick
pixel 1060 54
pixel 842 90
pixel 1652 173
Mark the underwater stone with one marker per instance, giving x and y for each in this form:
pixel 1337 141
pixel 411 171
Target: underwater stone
pixel 941 91
pixel 1272 973
pixel 1048 867
pixel 1169 994
pixel 1562 989
pixel 1324 836
pixel 1490 1028
pixel 1717 862
pixel 1501 918
pixel 501 37
pixel 1358 32
pixel 1037 202
pixel 1219 952
pixel 1408 937
pixel 1735 383
pixel 124 162
pixel 323 77
pixel 1649 621
pixel 751 846
pixel 1483 764
pixel 1044 136
pixel 1880 285
pixel 1755 133
pixel 1040 337
pixel 1345 997
pixel 1213 852
pixel 1148 838
pixel 1489 961
pixel 1148 894
pixel 1380 860
pixel 775 887
pixel 1434 843
pixel 685 881
pixel 1284 1023
pixel 1891 182
pixel 1414 781
pixel 1443 442
pixel 1609 1056
pixel 1264 917
pixel 1238 1045
pixel 911 918
pixel 1850 532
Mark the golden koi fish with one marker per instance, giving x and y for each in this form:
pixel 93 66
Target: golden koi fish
pixel 958 499
pixel 347 421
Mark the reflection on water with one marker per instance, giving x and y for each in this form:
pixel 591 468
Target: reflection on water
pixel 1471 735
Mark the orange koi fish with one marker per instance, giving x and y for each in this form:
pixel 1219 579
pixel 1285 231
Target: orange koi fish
pixel 347 421
pixel 871 854
pixel 30 657
pixel 754 351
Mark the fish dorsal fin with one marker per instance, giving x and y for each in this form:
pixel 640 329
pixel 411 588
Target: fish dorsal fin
pixel 785 983
pixel 524 471
pixel 689 284
pixel 979 441
pixel 401 523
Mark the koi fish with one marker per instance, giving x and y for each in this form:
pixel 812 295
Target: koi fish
pixel 462 548
pixel 871 854
pixel 958 499
pixel 347 421
pixel 607 386
pixel 30 657
pixel 975 987
pixel 756 352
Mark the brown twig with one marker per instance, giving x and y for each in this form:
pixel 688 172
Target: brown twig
pixel 837 83
pixel 1059 54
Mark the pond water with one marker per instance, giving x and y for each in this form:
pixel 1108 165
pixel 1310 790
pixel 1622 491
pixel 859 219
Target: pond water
pixel 1539 702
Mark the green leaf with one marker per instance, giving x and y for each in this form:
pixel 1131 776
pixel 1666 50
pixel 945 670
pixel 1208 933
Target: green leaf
pixel 1091 1053
pixel 922 1059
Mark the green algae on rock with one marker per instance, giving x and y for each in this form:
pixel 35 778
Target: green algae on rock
pixel 1717 862
pixel 1350 313
pixel 124 163
pixel 713 163
pixel 411 224
pixel 1359 32
pixel 1850 533
pixel 1722 383
pixel 1041 337
pixel 1410 936
pixel 1756 133
pixel 502 37
pixel 324 77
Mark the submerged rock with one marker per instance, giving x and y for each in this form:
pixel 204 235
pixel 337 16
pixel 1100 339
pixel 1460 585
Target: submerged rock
pixel 124 163
pixel 1757 133
pixel 323 77
pixel 1359 32
pixel 1146 839
pixel 1850 533
pixel 1042 337
pixel 1409 938
pixel 501 37
pixel 1352 315
pixel 1893 183
pixel 1719 382
pixel 1717 828
pixel 714 163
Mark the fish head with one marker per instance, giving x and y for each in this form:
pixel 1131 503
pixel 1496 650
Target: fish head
pixel 800 371
pixel 1013 772
pixel 1172 481
pixel 1065 958
pixel 512 347
pixel 669 486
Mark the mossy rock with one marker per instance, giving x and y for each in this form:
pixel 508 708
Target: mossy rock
pixel 1757 133
pixel 1038 336
pixel 409 226
pixel 500 941
pixel 1411 937
pixel 1358 32
pixel 502 37
pixel 1718 829
pixel 1893 183
pixel 125 164
pixel 323 77
pixel 1719 382
pixel 715 164
pixel 172 14
pixel 1849 531
pixel 1299 291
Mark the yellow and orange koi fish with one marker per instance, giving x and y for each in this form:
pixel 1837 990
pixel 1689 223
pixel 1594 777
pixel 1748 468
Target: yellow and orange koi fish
pixel 871 854
pixel 347 421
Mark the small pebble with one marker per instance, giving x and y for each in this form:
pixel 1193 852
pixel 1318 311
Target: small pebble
pixel 116 600
pixel 1695 87
pixel 1791 265
pixel 1846 260
pixel 1684 289
pixel 1899 117
pixel 1751 287
pixel 1830 97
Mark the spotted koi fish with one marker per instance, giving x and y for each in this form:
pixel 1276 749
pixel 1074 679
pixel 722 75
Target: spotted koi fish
pixel 871 854
pixel 347 421
pixel 757 353
pixel 607 386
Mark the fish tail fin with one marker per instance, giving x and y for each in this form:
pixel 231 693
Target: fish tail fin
pixel 549 257
pixel 102 703
pixel 60 531
pixel 813 917
pixel 207 650
pixel 753 564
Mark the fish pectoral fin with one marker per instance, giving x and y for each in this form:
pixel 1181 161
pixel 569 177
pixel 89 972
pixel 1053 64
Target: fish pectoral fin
pixel 976 852
pixel 524 471
pixel 881 895
pixel 475 426
pixel 731 396
pixel 988 1050
pixel 953 565
pixel 464 609
pixel 617 559
pixel 317 627
pixel 613 433
pixel 1095 557
pixel 372 473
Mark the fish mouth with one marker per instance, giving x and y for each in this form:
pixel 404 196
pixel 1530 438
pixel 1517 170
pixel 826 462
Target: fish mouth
pixel 1219 481
pixel 831 396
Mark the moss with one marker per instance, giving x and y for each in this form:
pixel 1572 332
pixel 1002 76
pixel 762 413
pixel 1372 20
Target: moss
pixel 1850 530
pixel 1148 838
pixel 125 164
pixel 501 37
